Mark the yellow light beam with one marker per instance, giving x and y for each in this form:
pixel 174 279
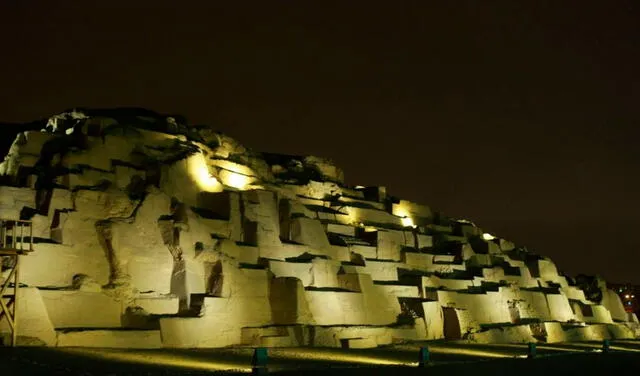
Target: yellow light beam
pixel 156 359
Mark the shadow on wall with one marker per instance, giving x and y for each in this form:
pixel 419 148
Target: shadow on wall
pixel 451 324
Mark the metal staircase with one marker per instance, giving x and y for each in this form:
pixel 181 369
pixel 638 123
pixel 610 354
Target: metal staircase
pixel 16 239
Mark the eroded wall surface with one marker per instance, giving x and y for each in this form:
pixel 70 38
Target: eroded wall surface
pixel 152 233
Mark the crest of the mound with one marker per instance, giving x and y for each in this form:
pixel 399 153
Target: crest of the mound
pixel 162 138
pixel 81 120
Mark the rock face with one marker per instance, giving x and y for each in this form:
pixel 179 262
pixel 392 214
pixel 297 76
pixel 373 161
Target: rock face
pixel 150 232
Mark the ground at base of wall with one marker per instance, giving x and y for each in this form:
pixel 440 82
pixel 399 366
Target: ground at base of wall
pixel 445 360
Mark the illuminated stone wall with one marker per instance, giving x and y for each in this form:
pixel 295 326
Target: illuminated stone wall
pixel 149 233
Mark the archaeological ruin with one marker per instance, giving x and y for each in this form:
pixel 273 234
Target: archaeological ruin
pixel 126 228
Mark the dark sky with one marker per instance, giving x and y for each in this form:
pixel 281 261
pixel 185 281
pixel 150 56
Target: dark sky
pixel 519 115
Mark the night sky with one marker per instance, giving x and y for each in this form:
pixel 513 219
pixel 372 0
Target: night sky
pixel 519 115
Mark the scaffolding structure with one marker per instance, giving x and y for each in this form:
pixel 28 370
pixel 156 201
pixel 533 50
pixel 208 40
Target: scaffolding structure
pixel 16 239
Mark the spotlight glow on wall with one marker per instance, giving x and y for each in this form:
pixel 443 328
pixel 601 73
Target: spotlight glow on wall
pixel 199 169
pixel 408 222
pixel 235 179
pixel 487 236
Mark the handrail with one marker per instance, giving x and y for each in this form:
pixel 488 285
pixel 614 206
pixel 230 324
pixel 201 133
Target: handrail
pixel 13 244
pixel 16 235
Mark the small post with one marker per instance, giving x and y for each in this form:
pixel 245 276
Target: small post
pixel 424 357
pixel 259 361
pixel 531 353
pixel 21 236
pixel 14 339
pixel 606 346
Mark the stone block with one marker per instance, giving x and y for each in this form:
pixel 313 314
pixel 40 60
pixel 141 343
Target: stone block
pixel 370 216
pixel 324 273
pixel 493 274
pixel 508 334
pixel 444 259
pixel 360 343
pixel 611 301
pixel 362 202
pixel 337 228
pixel 382 270
pixel 288 303
pixel 78 309
pixel 13 199
pixel 252 336
pixel 336 308
pixel 415 333
pixel 574 293
pixel 250 283
pixel 261 207
pixel 338 336
pixel 424 241
pixel 317 190
pixel 455 238
pixel 148 274
pixel 554 332
pixel 34 141
pixel 187 278
pixel 53 265
pixel 339 253
pixel 506 245
pixel 350 282
pixel 192 332
pixel 277 341
pixel 559 308
pixel 402 291
pixel 418 261
pixel 532 305
pixel 384 339
pixel 239 311
pixel 595 332
pixel 446 283
pixel 493 248
pixel 285 251
pixel 548 270
pixel 104 205
pixel 41 227
pixel 434 320
pixel 477 309
pixel 368 252
pixel 299 270
pixel 160 305
pixel 309 232
pixel 620 331
pixel 371 307
pixel 100 152
pixel 411 209
pixel 33 318
pixel 480 260
pixel 86 178
pixel 61 199
pixel 122 175
pixel 122 339
pixel 600 315
pixel 389 245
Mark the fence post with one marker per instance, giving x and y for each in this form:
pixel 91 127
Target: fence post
pixel 606 346
pixel 531 353
pixel 424 357
pixel 259 361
